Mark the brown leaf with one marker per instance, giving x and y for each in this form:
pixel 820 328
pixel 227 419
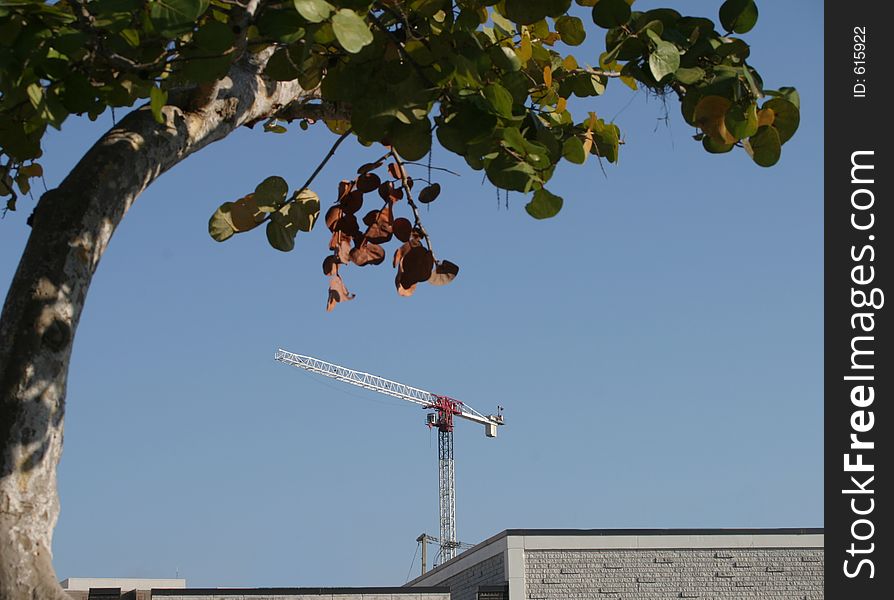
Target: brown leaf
pixel 399 253
pixel 429 193
pixel 337 219
pixel 709 117
pixel 348 224
pixel 332 216
pixel 445 272
pixel 341 244
pixel 366 168
pixel 402 228
pixel 416 266
pixel 380 229
pixel 352 201
pixel 401 290
pixel 337 292
pixel 344 188
pixel 370 217
pixel 368 253
pixel 344 250
pixel 396 171
pixel 389 193
pixel 330 265
pixel 368 182
pixel 406 247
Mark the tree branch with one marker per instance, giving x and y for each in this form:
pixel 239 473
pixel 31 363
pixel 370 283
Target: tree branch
pixel 72 226
pixel 320 111
pixel 325 160
pixel 416 218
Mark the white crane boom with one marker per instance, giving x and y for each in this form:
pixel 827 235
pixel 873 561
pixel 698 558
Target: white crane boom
pixel 375 383
pixel 445 409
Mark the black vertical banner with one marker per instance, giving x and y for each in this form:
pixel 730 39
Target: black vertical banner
pixel 859 372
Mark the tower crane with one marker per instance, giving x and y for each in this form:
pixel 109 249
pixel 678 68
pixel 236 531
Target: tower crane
pixel 444 410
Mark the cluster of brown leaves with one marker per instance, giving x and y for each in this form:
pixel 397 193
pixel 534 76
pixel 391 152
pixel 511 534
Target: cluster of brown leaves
pixel 351 243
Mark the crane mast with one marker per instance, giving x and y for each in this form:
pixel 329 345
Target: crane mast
pixel 445 409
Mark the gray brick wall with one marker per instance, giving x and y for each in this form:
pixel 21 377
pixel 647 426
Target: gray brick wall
pixel 629 574
pixel 464 585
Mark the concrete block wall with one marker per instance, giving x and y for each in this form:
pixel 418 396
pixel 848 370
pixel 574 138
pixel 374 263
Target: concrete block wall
pixel 705 574
pixel 464 585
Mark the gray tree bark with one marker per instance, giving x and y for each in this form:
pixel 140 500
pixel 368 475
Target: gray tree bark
pixel 71 228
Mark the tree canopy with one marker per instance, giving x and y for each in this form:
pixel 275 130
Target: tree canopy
pixel 492 81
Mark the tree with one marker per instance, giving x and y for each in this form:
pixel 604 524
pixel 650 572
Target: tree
pixel 490 81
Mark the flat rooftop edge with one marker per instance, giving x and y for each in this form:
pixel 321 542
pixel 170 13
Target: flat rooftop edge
pixel 668 531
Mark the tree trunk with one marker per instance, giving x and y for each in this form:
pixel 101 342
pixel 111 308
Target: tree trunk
pixel 72 226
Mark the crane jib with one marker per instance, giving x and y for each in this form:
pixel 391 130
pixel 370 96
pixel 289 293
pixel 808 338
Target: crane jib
pixel 444 407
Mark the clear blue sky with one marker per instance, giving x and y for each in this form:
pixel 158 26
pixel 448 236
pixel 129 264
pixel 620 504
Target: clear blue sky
pixel 657 346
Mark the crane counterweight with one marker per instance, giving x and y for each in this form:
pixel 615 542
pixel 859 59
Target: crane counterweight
pixel 445 409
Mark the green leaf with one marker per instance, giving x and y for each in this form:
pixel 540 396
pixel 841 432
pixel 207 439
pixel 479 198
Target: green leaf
pixel 664 60
pixel 284 25
pixel 571 29
pixel 514 139
pixel 467 126
pixel 280 237
pixel 16 142
pixel 765 146
pixel 131 36
pixel 715 147
pixel 786 119
pixel 78 95
pixel 281 66
pixel 505 58
pixel 786 93
pixel 752 84
pixel 587 84
pixel 507 173
pixel 544 205
pixel 573 150
pixel 611 13
pixel 157 99
pixel 351 30
pixel 314 10
pixel 500 99
pixel 35 94
pixel 174 17
pixel 606 140
pixel 220 226
pixel 689 75
pixel 214 36
pixel 198 69
pixel 741 121
pixel 270 194
pixel 412 141
pixel 525 12
pixel 738 15
pixel 304 210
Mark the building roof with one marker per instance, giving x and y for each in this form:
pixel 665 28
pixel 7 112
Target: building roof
pixel 122 583
pixel 597 539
